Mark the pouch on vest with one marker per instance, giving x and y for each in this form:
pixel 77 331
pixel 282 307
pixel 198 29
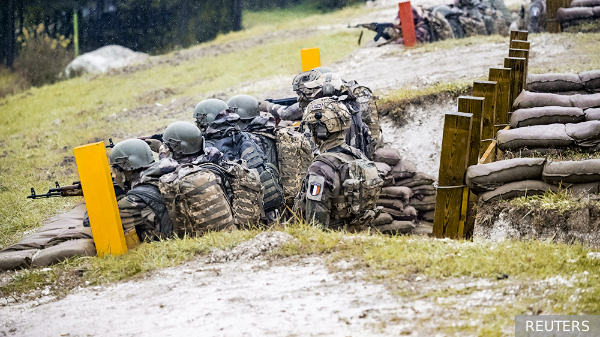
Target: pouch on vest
pixel 195 201
pixel 248 194
pixel 294 157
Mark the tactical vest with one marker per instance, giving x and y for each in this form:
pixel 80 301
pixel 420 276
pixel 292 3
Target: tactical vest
pixel 151 195
pixel 195 201
pixel 361 187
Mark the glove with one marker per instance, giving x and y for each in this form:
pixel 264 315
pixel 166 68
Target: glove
pixel 263 106
pixel 154 144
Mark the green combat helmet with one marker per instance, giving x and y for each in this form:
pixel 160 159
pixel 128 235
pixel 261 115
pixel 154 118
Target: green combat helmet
pixel 326 116
pixel 206 112
pixel 323 70
pixel 304 94
pixel 246 107
pixel 131 154
pixel 183 139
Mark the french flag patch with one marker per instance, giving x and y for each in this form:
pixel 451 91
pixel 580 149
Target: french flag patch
pixel 315 189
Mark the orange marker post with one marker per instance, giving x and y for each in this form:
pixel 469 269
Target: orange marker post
pixel 407 22
pixel 311 58
pixel 100 200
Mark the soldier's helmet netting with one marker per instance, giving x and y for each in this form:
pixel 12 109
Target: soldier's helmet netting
pixel 183 138
pixel 207 110
pixel 245 106
pixel 131 154
pixel 326 116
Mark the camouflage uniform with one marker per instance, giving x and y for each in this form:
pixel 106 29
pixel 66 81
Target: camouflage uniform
pixel 143 207
pixel 285 113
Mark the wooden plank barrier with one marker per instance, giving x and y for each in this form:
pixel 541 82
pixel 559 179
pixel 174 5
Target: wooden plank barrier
pixel 552 6
pixel 474 106
pixel 100 200
pixel 517 66
pixel 521 53
pixel 502 77
pixel 520 35
pixel 518 44
pixel 489 91
pixel 453 165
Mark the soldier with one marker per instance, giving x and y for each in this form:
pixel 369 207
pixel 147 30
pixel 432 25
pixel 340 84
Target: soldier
pixel 143 208
pixel 206 111
pixel 186 145
pixel 342 186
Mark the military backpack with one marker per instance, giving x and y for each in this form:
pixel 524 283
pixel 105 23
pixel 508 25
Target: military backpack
pixel 368 108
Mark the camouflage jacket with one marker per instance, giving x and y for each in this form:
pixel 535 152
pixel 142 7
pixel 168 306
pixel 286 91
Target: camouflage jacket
pixel 286 113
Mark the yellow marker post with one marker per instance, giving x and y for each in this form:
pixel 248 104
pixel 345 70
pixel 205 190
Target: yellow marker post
pixel 311 58
pixel 100 200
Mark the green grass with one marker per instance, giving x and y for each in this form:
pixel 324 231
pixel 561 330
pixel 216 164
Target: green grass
pixel 280 16
pixel 582 54
pixel 561 201
pixel 410 92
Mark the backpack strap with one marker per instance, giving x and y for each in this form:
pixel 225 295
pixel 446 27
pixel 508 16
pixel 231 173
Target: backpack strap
pixel 152 197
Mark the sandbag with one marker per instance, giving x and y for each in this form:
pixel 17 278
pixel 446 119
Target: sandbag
pixel 584 189
pixel 418 179
pixel 538 151
pixel 585 101
pixel 383 219
pixel 528 99
pixel 575 13
pixel 517 189
pixel 592 114
pixel 572 172
pixel 423 228
pixel 427 204
pixel 585 3
pixel 16 259
pixel 591 79
pixel 396 227
pixel 389 181
pixel 554 82
pixel 387 155
pixel 408 213
pixel 382 168
pixel 391 203
pixel 427 216
pixel 396 192
pixel 63 251
pixel 596 13
pixel 404 169
pixel 545 116
pixel 586 134
pixel 487 177
pixel 553 135
pixel 423 190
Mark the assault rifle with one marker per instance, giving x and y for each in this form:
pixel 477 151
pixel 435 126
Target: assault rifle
pixel 283 101
pixel 379 28
pixel 157 136
pixel 73 190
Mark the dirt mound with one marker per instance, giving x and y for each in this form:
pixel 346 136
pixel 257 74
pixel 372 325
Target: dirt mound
pixel 261 245
pixel 502 220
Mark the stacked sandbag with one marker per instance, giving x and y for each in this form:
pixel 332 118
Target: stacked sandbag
pixel 568 17
pixel 407 195
pixel 62 237
pixel 527 99
pixel 507 179
pixel 538 136
pixel 546 115
pixel 587 82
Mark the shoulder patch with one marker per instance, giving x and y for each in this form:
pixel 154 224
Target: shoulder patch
pixel 317 106
pixel 316 184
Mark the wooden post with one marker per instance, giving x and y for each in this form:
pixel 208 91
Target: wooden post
pixel 453 165
pixel 521 53
pixel 474 106
pixel 517 66
pixel 100 200
pixel 489 91
pixel 518 35
pixel 311 58
pixel 518 44
pixel 502 77
pixel 552 6
pixel 75 33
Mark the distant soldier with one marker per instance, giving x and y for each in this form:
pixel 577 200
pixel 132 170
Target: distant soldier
pixel 143 208
pixel 342 186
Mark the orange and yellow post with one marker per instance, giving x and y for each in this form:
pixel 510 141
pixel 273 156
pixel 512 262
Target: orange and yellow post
pixel 311 58
pixel 100 200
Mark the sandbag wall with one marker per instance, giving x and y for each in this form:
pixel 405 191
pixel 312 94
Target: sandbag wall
pixel 61 238
pixel 407 196
pixel 581 11
pixel 587 82
pixel 507 179
pixel 548 121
